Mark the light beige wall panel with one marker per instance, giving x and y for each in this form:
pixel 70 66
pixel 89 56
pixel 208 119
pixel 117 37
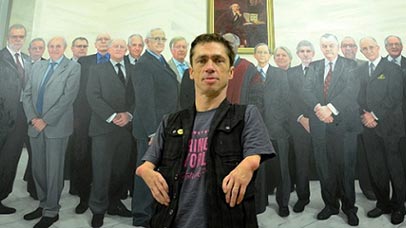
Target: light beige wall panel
pixel 294 19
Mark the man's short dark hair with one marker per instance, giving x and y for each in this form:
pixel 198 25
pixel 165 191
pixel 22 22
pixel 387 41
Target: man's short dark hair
pixel 212 37
pixel 79 38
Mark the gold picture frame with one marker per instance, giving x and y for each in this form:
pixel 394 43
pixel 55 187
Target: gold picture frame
pixel 252 22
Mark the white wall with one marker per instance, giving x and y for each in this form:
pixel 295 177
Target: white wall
pixel 294 19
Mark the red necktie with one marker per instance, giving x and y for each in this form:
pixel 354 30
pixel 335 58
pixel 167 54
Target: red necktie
pixel 20 69
pixel 328 80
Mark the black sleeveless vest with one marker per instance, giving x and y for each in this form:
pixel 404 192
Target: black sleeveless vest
pixel 223 155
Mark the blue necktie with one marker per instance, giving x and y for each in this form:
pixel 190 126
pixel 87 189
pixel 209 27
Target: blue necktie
pixel 183 68
pixel 371 69
pixel 41 92
pixel 103 59
pixel 262 74
pixel 161 59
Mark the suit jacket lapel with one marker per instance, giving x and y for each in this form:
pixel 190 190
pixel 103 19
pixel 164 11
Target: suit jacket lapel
pixel 320 72
pixel 378 70
pixel 59 70
pixel 111 71
pixel 9 58
pixel 37 79
pixel 160 65
pixel 337 73
pixel 169 69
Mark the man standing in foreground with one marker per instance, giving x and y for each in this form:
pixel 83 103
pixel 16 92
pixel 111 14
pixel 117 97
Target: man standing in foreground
pixel 48 98
pixel 111 98
pixel 298 122
pixel 203 160
pixel 330 89
pixel 380 100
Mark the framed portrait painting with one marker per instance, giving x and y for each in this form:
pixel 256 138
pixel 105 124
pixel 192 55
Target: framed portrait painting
pixel 250 20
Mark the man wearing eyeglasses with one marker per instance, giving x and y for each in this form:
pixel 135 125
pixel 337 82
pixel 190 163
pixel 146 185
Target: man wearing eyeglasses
pixel 14 68
pixel 79 48
pixel 80 142
pixel 349 49
pixel 156 94
pixel 36 49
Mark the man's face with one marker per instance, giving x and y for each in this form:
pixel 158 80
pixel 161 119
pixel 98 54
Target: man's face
pixel 117 50
pixel 393 47
pixel 349 48
pixel 79 48
pixel 329 48
pixel 282 59
pixel 179 50
pixel 262 55
pixel 211 69
pixel 16 39
pixel 135 47
pixel 156 43
pixel 56 48
pixel 102 41
pixel 305 55
pixel 369 49
pixel 235 8
pixel 36 50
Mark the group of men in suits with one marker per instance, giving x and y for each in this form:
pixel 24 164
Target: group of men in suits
pixel 336 107
pixel 107 107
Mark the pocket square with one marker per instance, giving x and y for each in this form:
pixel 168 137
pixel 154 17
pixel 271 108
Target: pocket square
pixel 381 76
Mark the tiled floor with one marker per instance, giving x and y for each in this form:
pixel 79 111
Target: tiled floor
pixel 269 219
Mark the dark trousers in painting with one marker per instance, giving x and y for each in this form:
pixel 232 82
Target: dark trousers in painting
pixel 110 159
pixel 385 166
pixel 10 153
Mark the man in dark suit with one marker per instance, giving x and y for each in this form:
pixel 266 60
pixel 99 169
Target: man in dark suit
pixel 80 142
pixel 156 94
pixel 15 66
pixel 111 98
pixel 48 102
pixel 79 48
pixel 349 49
pixel 394 47
pixel 330 89
pixel 135 48
pixel 275 94
pixel 298 122
pixel 380 100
